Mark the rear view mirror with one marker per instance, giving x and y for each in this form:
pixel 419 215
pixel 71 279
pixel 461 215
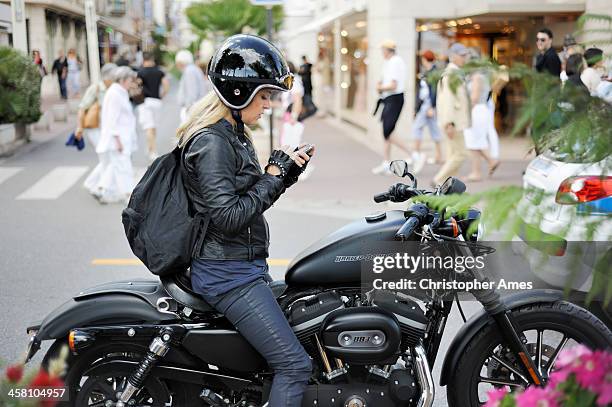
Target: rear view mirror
pixel 400 168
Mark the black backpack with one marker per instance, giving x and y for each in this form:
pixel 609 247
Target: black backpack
pixel 160 223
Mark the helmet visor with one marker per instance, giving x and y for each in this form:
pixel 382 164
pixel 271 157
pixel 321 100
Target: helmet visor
pixel 287 81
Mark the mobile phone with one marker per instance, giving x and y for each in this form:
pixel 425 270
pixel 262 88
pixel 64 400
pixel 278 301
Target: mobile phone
pixel 307 148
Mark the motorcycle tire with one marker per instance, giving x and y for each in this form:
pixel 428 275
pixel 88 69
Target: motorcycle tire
pixel 183 395
pixel 561 316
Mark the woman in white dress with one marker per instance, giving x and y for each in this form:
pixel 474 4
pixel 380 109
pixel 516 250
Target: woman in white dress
pixel 117 140
pixel 477 137
pixel 95 93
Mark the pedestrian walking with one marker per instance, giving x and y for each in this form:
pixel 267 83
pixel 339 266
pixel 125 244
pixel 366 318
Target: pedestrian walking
pixel 155 87
pixel 60 67
pixel 39 63
pixel 306 75
pixel 117 140
pixel 453 110
pixel 477 136
pixel 73 79
pixel 547 59
pixel 89 120
pixel 592 75
pixel 391 91
pixel 575 68
pixel 293 103
pixel 193 85
pixel 426 113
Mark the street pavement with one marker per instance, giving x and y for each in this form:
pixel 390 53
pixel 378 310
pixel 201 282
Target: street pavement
pixel 56 240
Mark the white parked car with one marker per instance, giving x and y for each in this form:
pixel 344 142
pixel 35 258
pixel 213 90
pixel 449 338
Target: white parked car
pixel 567 221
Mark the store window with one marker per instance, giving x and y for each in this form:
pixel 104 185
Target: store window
pixel 507 39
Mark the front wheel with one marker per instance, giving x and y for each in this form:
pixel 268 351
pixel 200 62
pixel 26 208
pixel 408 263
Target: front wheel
pixel 488 363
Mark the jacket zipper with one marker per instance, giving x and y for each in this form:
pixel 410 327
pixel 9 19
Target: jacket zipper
pixel 250 248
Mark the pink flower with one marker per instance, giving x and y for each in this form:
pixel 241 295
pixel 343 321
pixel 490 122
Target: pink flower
pixel 604 390
pixel 537 397
pixel 558 377
pixel 590 370
pixel 495 397
pixel 569 357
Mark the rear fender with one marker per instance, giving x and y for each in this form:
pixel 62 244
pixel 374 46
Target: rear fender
pixel 481 319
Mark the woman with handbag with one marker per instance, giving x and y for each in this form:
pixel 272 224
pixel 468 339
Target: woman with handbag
pixel 225 181
pixel 117 140
pixel 89 119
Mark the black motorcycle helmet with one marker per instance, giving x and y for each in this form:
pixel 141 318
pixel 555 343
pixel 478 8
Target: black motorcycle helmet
pixel 245 64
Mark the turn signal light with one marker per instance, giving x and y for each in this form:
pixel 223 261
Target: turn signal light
pixel 78 340
pixel 575 190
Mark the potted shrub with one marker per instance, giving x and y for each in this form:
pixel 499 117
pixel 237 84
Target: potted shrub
pixel 19 91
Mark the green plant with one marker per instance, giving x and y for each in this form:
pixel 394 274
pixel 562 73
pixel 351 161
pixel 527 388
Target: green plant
pixel 19 88
pixel 229 17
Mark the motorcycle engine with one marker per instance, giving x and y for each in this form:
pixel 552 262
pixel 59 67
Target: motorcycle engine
pixel 411 318
pixel 307 315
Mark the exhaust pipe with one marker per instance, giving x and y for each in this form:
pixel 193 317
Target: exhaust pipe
pixel 425 378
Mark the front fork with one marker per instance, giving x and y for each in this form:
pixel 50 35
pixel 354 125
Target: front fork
pixel 531 372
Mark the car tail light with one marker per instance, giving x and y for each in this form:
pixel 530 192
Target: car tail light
pixel 575 190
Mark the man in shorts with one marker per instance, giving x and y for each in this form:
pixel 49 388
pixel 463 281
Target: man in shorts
pixel 155 86
pixel 391 90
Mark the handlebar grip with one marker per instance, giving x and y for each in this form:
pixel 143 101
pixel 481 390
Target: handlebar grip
pixel 381 197
pixel 407 228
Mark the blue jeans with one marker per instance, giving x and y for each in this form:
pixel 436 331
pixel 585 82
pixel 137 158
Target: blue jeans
pixel 255 313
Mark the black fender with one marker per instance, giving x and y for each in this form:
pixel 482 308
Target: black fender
pixel 478 321
pixel 118 302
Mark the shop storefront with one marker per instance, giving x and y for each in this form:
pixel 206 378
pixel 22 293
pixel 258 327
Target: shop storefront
pixel 507 39
pixel 352 73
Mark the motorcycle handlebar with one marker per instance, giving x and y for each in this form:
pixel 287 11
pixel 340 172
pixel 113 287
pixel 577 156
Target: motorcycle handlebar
pixel 378 198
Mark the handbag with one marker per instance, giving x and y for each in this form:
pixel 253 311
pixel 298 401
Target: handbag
pixel 91 118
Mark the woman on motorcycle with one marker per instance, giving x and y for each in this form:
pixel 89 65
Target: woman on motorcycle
pixel 226 182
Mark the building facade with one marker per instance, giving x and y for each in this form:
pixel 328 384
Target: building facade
pixel 343 37
pixel 54 25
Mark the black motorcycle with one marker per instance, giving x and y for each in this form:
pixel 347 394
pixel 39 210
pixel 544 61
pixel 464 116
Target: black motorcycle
pixel 157 343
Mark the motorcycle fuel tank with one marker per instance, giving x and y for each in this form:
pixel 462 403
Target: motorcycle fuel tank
pixel 336 259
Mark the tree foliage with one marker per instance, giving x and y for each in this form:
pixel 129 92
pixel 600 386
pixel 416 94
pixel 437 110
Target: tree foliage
pixel 19 88
pixel 229 17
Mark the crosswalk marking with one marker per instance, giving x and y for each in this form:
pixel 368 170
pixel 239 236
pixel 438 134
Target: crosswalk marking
pixel 8 172
pixel 54 184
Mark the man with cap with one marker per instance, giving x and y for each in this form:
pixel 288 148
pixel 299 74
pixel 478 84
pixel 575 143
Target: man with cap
pixel 453 110
pixel 391 90
pixel 425 113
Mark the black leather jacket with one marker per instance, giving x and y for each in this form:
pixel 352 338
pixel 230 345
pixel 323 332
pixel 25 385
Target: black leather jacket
pixel 226 181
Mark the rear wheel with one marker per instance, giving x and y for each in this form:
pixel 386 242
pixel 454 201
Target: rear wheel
pixel 487 363
pixel 90 384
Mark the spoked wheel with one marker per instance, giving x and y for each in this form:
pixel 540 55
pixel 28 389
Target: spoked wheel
pixel 90 384
pixel 549 328
pixel 102 390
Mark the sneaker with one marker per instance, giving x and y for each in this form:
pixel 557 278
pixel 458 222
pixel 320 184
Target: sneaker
pixel 383 168
pixel 419 160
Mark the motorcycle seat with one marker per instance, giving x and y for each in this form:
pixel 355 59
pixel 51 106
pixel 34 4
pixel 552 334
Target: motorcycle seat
pixel 179 287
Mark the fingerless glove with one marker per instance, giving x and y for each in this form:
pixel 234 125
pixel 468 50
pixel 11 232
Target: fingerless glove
pixel 282 161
